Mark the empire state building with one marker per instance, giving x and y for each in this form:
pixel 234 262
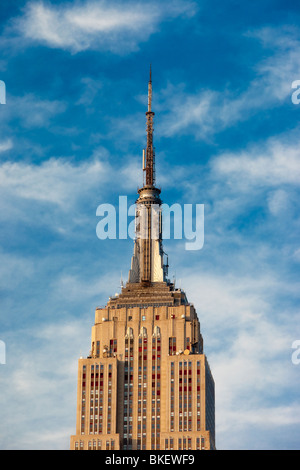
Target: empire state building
pixel 146 384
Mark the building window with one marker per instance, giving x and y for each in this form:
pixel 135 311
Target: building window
pixel 172 346
pixel 172 398
pixel 112 346
pixel 198 396
pixel 128 382
pixel 142 386
pixel 156 331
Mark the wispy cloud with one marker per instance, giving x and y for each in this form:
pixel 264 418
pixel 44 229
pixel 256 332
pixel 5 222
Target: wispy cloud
pixel 282 63
pixel 248 340
pixel 209 111
pixel 112 26
pixel 72 132
pixel 53 181
pixel 6 145
pixel 31 111
pixel 269 164
pixel 60 194
pixel 35 379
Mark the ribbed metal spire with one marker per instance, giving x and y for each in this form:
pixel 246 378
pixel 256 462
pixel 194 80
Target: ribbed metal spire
pixel 150 156
pixel 150 91
pixel 147 264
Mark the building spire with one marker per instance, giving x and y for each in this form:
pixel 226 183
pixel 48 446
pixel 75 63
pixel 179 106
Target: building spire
pixel 150 156
pixel 150 91
pixel 147 263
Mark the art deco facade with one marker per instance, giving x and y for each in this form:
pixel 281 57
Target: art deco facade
pixel 146 384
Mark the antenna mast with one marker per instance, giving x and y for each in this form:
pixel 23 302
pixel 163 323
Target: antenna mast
pixel 150 156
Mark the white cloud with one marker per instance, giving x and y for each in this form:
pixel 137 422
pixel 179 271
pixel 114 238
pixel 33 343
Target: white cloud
pixel 272 163
pixel 278 201
pixel 41 381
pixel 6 145
pixel 14 270
pixel 90 90
pixel 61 181
pixel 280 69
pixel 70 286
pixel 296 255
pixel 57 181
pixel 35 112
pixel 247 338
pixel 96 25
pixel 197 114
pixel 31 111
pixel 273 416
pixel 62 195
pixel 208 111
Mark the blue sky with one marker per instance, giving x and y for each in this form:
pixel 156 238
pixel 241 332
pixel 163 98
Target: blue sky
pixel 226 136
